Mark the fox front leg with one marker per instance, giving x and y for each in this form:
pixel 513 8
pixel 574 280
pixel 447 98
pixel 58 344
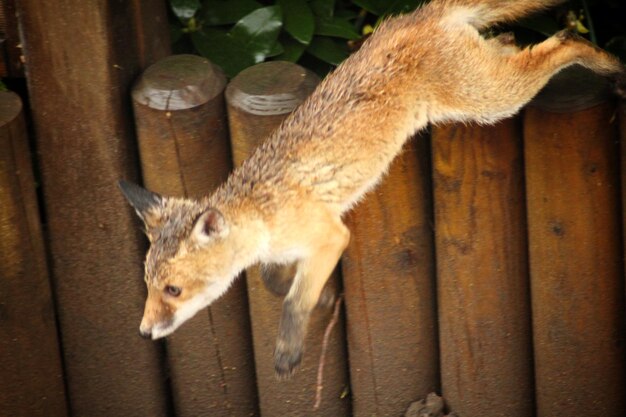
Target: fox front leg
pixel 311 276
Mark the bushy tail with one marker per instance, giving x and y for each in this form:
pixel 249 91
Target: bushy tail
pixel 484 13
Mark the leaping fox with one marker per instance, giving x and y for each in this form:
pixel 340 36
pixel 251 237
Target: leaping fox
pixel 284 205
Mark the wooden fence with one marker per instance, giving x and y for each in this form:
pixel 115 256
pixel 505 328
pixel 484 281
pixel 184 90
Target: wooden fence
pixel 488 266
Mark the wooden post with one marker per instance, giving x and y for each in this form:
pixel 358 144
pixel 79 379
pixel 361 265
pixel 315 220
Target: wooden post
pixel 482 272
pixel 388 272
pixel 185 151
pixel 11 64
pixel 577 275
pixel 259 98
pixel 31 380
pixel 622 129
pixel 81 58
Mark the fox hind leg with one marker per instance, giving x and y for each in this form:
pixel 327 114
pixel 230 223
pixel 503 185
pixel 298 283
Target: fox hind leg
pixel 563 49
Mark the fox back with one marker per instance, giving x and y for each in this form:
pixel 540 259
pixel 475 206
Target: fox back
pixel 282 208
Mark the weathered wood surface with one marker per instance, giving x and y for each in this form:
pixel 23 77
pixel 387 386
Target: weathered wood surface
pixel 184 150
pixel 11 64
pixel 577 272
pixel 81 58
pixel 259 98
pixel 484 311
pixel 622 129
pixel 482 273
pixel 31 380
pixel 388 271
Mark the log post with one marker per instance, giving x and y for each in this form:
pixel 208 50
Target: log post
pixel 622 129
pixel 482 272
pixel 388 273
pixel 577 275
pixel 81 58
pixel 259 98
pixel 184 150
pixel 31 381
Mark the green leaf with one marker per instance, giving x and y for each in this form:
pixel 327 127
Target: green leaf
pixel 226 12
pixel 257 32
pixel 323 8
pixel 176 32
pixel 185 9
pixel 299 21
pixel 541 23
pixel 377 7
pixel 402 6
pixel 292 49
pixel 222 50
pixel 336 27
pixel 327 50
pixel 277 49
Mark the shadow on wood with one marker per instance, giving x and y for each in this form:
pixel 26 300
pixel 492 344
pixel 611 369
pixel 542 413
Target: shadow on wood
pixel 31 380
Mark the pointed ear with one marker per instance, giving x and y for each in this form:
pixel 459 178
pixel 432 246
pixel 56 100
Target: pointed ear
pixel 141 199
pixel 209 226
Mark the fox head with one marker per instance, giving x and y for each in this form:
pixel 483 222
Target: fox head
pixel 190 260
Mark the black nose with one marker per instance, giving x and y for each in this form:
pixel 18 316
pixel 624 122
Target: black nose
pixel 145 335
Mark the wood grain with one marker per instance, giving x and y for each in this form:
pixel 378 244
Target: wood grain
pixel 576 265
pixel 185 151
pixel 31 380
pixel 482 273
pixel 81 58
pixel 622 129
pixel 388 272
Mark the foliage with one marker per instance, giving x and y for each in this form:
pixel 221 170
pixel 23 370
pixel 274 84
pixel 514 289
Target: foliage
pixel 319 34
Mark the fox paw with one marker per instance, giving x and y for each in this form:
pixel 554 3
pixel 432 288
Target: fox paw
pixel 286 362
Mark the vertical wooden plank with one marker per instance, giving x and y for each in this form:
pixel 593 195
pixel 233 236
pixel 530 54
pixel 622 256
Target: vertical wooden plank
pixel 11 44
pixel 259 98
pixel 388 272
pixel 81 57
pixel 31 381
pixel 482 272
pixel 577 275
pixel 185 151
pixel 622 129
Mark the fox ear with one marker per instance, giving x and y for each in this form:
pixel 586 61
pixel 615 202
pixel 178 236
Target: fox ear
pixel 209 225
pixel 141 199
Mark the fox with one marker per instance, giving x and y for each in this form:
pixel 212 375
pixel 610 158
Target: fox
pixel 283 207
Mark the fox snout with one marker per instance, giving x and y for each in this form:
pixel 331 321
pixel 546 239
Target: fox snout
pixel 158 318
pixel 146 333
pixel 151 329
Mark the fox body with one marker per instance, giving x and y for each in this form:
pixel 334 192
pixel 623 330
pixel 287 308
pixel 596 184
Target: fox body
pixel 284 205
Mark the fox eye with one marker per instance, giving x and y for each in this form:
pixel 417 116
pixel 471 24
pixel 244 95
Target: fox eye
pixel 173 291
